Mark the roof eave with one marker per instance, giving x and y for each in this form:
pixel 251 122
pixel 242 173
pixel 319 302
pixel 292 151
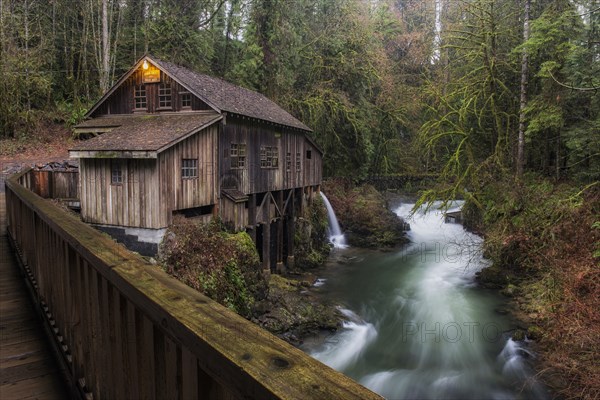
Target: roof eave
pixel 109 154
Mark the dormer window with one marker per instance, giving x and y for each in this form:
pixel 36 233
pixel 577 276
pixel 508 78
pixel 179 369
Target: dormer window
pixel 186 100
pixel 164 95
pixel 139 95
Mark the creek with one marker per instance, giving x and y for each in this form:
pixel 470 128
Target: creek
pixel 417 325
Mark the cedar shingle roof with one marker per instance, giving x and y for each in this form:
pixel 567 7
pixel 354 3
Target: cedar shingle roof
pixel 228 97
pixel 142 132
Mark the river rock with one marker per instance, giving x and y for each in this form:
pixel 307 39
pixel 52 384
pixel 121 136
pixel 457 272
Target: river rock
pixel 518 335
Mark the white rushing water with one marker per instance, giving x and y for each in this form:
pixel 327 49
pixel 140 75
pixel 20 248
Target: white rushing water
pixel 336 236
pixel 419 327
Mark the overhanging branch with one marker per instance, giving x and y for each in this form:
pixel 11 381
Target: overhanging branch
pixel 581 89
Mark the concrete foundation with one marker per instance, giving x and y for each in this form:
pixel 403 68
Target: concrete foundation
pixel 140 240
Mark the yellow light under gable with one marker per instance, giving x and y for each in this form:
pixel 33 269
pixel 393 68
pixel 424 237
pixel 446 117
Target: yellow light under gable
pixel 145 65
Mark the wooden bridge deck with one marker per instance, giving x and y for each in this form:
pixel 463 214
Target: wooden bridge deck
pixel 27 366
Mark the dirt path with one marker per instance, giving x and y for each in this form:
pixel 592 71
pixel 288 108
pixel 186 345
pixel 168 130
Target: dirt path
pixel 50 144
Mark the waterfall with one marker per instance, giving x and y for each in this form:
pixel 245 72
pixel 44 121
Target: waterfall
pixel 336 236
pixel 416 324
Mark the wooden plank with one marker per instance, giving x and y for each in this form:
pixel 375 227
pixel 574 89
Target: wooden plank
pixel 167 367
pixel 27 334
pixel 26 371
pixel 189 375
pixel 40 387
pixel 129 349
pixel 116 339
pixel 145 356
pixel 106 352
pixel 25 353
pixel 173 369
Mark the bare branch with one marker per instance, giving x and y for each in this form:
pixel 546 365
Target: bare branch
pixel 581 89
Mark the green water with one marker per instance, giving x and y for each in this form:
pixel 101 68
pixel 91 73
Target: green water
pixel 418 326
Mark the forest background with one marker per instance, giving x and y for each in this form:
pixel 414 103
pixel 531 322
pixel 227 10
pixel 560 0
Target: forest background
pixel 388 86
pixel 500 98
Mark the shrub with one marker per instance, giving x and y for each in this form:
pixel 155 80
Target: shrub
pixel 222 265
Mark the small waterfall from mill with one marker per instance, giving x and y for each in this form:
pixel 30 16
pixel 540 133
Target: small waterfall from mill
pixel 336 236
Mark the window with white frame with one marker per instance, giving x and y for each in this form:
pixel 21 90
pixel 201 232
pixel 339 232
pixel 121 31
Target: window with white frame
pixel 164 95
pixel 237 152
pixel 139 95
pixel 269 156
pixel 186 100
pixel 116 173
pixel 189 168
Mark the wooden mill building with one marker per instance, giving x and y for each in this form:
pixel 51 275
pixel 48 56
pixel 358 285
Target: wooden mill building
pixel 168 140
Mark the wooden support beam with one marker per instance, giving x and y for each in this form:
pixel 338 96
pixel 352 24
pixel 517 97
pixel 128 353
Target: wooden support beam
pixel 279 243
pixel 287 200
pixel 252 216
pixel 277 203
pixel 291 227
pixel 260 209
pixel 266 232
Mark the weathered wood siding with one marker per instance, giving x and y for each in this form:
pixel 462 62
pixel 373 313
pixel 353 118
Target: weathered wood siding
pixel 121 101
pixel 177 193
pixel 136 202
pixel 53 184
pixel 234 214
pixel 255 179
pixel 313 166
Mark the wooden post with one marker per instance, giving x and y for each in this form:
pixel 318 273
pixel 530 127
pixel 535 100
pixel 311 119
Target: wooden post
pixel 301 204
pixel 291 227
pixel 252 216
pixel 280 266
pixel 266 244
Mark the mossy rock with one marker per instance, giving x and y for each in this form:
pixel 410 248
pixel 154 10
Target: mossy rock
pixel 510 290
pixel 492 277
pixel 518 335
pixel 534 332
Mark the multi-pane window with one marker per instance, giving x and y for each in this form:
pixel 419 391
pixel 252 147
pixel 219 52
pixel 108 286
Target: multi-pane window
pixel 269 156
pixel 288 162
pixel 164 95
pixel 189 168
pixel 140 97
pixel 186 100
pixel 116 173
pixel 237 151
pixel 298 162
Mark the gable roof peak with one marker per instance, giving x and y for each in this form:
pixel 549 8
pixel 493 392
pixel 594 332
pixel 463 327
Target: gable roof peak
pixel 219 94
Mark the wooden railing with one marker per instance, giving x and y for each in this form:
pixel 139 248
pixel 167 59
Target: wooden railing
pixel 127 330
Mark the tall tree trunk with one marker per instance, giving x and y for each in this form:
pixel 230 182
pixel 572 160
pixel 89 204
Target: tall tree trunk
pixel 27 55
pixel 105 69
pixel 524 83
